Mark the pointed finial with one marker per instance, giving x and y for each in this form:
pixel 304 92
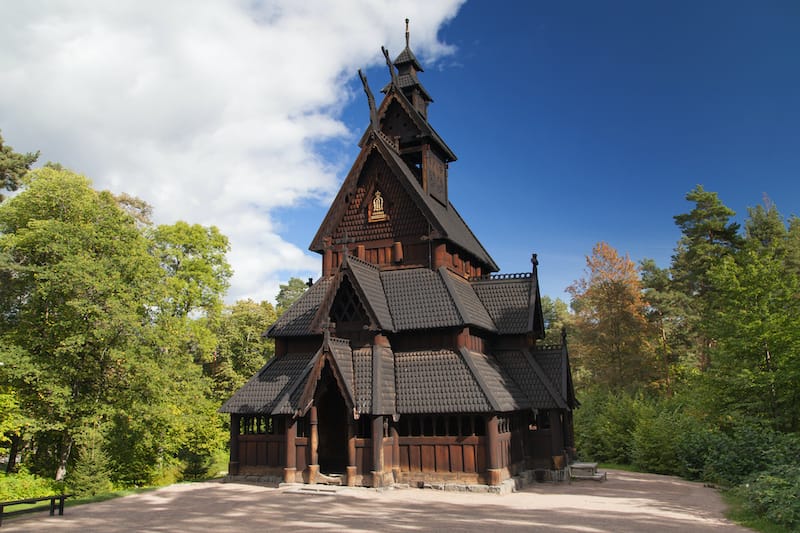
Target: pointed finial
pixel 373 113
pixel 534 260
pixel 407 35
pixel 389 64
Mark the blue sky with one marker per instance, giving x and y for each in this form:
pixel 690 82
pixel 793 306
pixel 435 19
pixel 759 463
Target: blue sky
pixel 574 121
pixel 580 122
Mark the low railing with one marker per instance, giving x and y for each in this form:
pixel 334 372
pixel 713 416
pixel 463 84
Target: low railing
pixel 58 497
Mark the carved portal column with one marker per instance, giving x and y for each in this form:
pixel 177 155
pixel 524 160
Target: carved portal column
pixel 352 467
pixel 291 451
pixel 377 451
pixel 493 449
pixel 233 464
pixel 313 466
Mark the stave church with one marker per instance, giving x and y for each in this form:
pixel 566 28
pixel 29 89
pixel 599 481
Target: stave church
pixel 410 360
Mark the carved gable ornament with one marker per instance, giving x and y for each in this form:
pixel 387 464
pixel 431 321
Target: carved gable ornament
pixel 376 209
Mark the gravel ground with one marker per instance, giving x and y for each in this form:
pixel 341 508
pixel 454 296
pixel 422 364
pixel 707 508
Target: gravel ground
pixel 626 502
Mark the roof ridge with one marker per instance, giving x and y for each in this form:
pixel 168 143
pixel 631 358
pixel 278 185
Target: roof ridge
pixel 358 260
pixel 466 355
pixel 544 379
pixel 451 290
pixel 499 277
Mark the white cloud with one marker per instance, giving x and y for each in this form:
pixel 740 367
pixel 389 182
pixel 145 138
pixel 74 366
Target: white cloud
pixel 210 111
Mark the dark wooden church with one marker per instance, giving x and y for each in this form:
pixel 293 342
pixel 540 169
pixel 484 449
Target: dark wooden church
pixel 408 361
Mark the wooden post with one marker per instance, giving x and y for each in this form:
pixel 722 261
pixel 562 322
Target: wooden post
pixel 397 252
pixel 313 466
pixel 327 258
pixel 493 450
pixel 352 467
pixel 556 433
pixel 233 464
pixel 291 451
pixel 440 255
pixel 395 452
pixel 377 451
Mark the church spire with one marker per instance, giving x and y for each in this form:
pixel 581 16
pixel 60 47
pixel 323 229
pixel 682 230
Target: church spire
pixel 407 79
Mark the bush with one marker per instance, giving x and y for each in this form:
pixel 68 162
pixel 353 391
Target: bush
pixel 24 485
pixel 604 426
pixel 742 451
pixel 774 494
pixel 656 439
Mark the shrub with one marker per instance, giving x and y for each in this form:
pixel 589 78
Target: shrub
pixel 24 485
pixel 774 494
pixel 741 451
pixel 656 439
pixel 604 426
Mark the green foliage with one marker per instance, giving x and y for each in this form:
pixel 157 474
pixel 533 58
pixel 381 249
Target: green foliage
pixel 91 474
pixel 13 166
pixel 556 318
pixel 242 348
pixel 105 320
pixel 23 485
pixel 604 425
pixel 289 293
pixel 79 272
pixel 774 494
pixel 656 438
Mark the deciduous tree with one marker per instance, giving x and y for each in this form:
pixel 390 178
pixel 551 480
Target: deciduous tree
pixel 610 325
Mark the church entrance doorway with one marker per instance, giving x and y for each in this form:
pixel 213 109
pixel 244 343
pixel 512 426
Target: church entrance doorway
pixel 332 425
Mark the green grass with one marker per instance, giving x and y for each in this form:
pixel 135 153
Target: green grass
pixel 738 513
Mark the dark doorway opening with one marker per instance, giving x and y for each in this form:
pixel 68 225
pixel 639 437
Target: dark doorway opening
pixel 332 425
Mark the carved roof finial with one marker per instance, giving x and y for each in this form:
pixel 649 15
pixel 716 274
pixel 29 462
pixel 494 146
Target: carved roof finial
pixel 373 113
pixel 392 71
pixel 407 34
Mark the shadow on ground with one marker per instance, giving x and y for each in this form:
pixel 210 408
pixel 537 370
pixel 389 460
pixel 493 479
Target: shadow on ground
pixel 626 502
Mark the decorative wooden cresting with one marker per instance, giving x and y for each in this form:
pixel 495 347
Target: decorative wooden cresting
pixel 408 360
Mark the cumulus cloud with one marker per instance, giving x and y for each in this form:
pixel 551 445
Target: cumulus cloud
pixel 211 111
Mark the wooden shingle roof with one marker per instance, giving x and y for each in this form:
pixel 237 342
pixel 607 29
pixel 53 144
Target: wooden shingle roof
pixel 270 391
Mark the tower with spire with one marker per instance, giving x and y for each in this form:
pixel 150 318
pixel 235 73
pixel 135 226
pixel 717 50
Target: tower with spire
pixel 409 360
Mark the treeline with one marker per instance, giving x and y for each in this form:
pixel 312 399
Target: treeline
pixel 694 368
pixel 116 349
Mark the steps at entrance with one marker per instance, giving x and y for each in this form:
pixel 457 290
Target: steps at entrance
pixel 329 479
pixel 586 471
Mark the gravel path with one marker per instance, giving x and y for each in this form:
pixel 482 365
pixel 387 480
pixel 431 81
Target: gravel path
pixel 626 502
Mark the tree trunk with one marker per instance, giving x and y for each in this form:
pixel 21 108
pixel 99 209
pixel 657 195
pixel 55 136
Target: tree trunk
pixel 11 465
pixel 66 449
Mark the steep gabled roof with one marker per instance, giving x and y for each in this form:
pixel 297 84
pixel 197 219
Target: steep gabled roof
pixel 418 299
pixel 366 282
pixel 447 224
pixel 337 354
pixel 437 381
pixel 446 221
pixel 500 389
pixel 271 389
pixel 395 94
pixel 467 303
pixel 296 321
pixel 531 378
pixel 507 301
